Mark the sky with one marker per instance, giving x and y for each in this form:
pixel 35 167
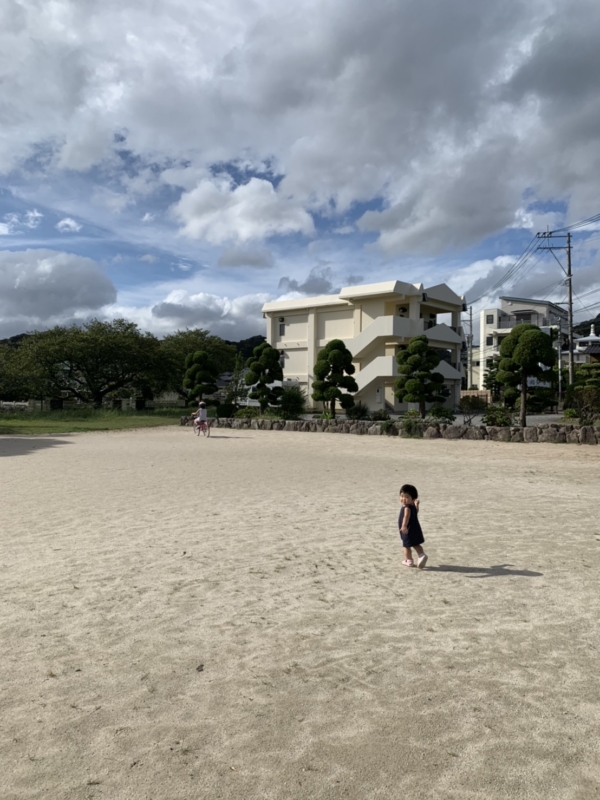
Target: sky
pixel 179 164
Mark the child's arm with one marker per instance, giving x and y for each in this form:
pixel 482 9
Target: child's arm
pixel 405 518
pixel 417 504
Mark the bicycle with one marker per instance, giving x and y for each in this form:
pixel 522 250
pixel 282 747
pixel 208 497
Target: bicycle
pixel 202 427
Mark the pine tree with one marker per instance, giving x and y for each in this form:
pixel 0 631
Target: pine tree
pixel 200 376
pixel 526 352
pixel 417 380
pixel 263 370
pixel 334 370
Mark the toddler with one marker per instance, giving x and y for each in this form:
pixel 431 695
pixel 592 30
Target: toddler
pixel 410 528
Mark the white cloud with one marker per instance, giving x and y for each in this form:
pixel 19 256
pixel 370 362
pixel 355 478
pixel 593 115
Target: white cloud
pixel 449 114
pixel 68 225
pixel 219 212
pixel 230 318
pixel 15 223
pixel 318 282
pixel 148 217
pixel 246 257
pixel 32 218
pixel 149 258
pixel 40 286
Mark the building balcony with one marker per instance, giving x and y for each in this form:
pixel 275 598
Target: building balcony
pixel 403 328
pixel 533 319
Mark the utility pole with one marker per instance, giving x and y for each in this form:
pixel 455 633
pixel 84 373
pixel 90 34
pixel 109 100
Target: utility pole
pixel 570 310
pixel 559 348
pixel 548 237
pixel 470 354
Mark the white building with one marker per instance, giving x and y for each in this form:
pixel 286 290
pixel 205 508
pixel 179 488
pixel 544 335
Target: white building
pixel 497 323
pixel 374 321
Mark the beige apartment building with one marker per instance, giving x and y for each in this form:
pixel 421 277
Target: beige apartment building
pixel 497 323
pixel 373 321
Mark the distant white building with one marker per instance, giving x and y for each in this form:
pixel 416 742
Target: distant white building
pixel 374 321
pixel 497 323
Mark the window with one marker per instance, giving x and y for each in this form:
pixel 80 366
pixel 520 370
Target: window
pixel 282 328
pixel 489 319
pixel 282 360
pixel 489 341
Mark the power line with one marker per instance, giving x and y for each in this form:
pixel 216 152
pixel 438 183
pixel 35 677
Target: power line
pixel 581 224
pixel 513 269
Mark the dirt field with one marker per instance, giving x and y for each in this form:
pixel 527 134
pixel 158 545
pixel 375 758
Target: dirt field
pixel 228 618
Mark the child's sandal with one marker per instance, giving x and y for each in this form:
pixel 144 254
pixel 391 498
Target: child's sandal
pixel 408 562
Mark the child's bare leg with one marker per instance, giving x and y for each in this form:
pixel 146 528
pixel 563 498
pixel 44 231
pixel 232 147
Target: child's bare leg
pixel 407 554
pixel 422 558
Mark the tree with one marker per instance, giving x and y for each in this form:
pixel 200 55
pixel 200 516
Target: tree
pixel 417 380
pixel 176 347
pixel 334 370
pixel 245 347
pixel 584 395
pixel 263 370
pixel 92 361
pixel 15 383
pixel 490 380
pixel 526 353
pixel 201 375
pixel 237 391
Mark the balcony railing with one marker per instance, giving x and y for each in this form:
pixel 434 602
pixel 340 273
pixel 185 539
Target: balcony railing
pixel 534 319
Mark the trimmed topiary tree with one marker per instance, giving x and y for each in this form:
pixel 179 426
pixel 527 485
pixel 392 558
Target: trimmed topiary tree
pixel 526 352
pixel 417 380
pixel 201 374
pixel 333 372
pixel 263 370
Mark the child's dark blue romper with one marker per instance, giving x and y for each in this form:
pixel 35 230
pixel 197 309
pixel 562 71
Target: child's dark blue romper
pixel 415 534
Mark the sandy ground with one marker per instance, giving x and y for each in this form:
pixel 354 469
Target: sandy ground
pixel 228 618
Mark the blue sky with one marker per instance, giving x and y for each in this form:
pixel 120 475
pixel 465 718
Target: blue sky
pixel 181 171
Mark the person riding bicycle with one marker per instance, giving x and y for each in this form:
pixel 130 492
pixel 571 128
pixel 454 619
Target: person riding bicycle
pixel 200 415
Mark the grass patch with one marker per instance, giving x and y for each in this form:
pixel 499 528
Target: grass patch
pixel 87 419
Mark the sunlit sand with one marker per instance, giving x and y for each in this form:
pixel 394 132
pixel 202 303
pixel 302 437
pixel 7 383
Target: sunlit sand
pixel 229 618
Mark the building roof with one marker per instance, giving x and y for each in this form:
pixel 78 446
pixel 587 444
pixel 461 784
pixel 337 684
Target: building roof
pixel 592 349
pixel 377 289
pixel 439 292
pixel 535 302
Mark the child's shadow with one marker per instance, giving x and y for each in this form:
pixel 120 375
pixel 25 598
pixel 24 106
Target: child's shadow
pixel 496 571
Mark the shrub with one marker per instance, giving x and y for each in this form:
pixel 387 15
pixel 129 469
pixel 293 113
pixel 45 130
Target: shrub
pixel 441 413
pixel 250 412
pixel 380 415
pixel 411 414
pixel 359 411
pixel 388 427
pixel 470 406
pixel 411 427
pixel 225 410
pixel 570 413
pixel 498 416
pixel 272 413
pixel 293 402
pixel 586 400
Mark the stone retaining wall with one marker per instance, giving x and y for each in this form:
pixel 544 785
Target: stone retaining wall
pixel 546 432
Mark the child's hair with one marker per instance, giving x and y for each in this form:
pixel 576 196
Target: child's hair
pixel 409 490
